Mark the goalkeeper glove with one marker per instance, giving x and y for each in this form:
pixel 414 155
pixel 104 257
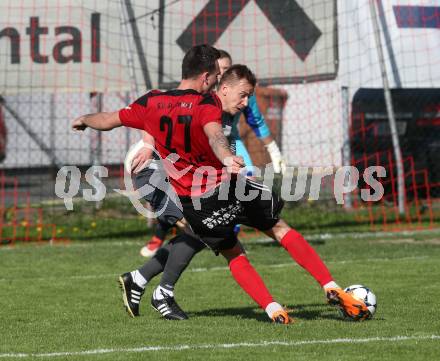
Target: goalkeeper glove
pixel 279 165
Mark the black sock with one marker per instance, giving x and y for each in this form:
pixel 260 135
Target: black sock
pixel 183 249
pixel 156 264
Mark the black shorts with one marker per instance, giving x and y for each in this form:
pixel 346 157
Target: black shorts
pixel 214 216
pixel 154 187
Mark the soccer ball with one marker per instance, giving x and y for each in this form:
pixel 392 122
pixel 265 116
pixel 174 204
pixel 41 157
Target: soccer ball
pixel 365 295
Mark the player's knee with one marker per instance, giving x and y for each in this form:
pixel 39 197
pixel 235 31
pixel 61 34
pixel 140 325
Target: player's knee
pixel 233 253
pixel 280 230
pixel 239 259
pixel 190 242
pixel 162 255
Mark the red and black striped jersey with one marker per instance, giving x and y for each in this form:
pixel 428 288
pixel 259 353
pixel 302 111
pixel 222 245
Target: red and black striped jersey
pixel 175 119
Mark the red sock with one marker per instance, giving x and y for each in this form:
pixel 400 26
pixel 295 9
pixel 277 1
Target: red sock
pixel 250 281
pixel 306 257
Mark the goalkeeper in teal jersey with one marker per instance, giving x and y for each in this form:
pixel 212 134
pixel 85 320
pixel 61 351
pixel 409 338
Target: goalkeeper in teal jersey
pixel 256 121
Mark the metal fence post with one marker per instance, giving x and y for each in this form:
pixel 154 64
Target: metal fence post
pixel 390 111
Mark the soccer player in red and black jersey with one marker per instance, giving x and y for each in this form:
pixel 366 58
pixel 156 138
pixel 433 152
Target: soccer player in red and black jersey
pixel 185 122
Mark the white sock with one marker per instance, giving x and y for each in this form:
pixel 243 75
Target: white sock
pixel 273 307
pixel 331 284
pixel 158 293
pixel 138 278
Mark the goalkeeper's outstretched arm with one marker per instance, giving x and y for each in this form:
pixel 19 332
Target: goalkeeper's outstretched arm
pixel 256 121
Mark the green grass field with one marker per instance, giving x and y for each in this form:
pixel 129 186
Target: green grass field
pixel 62 302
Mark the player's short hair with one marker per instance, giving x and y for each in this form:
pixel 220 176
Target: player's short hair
pixel 224 54
pixel 236 73
pixel 199 59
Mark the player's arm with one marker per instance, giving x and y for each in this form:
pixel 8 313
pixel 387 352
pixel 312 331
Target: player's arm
pixel 220 146
pixel 256 121
pixel 98 121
